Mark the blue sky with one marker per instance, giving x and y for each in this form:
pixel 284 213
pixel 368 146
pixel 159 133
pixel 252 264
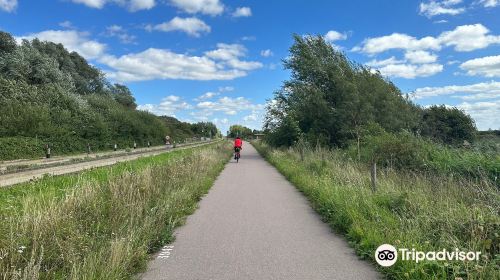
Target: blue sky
pixel 220 60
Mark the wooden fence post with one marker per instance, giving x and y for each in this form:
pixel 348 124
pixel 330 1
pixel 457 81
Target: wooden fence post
pixel 374 176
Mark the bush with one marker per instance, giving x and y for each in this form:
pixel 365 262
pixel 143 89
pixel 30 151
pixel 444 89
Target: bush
pixel 17 147
pixel 406 151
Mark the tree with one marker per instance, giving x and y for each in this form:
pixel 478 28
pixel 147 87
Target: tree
pixel 332 99
pixel 7 43
pixel 123 95
pixel 447 125
pixel 239 130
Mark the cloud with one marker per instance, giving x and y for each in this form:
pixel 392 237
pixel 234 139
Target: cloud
pixel 266 53
pixel 444 7
pixel 488 66
pixel 208 7
pixel 410 71
pixel 484 113
pixel 207 95
pixel 192 26
pixel 463 38
pixel 8 5
pixel 489 3
pixel 469 92
pixel 251 117
pixel 467 38
pixel 397 41
pixel 229 54
pixel 72 40
pixel 120 33
pixel 223 63
pixel 66 24
pixel 420 57
pixel 228 106
pixel 333 35
pixel 226 89
pixel 242 12
pixel 388 61
pixel 131 5
pixel 167 107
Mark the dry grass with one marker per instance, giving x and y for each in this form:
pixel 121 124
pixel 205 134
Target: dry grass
pixel 104 226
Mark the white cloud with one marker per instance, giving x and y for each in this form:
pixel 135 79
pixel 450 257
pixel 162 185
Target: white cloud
pixel 131 5
pixel 251 117
pixel 419 57
pixel 192 26
pixel 463 38
pixel 66 24
pixel 333 35
pixel 488 66
pixel 468 38
pixel 444 7
pixel 242 12
pixel 8 5
pixel 388 61
pixel 229 54
pixel 470 92
pixel 490 3
pixel 207 95
pixel 98 4
pixel 221 64
pixel 228 106
pixel 137 5
pixel 226 89
pixel 168 106
pixel 397 41
pixel 120 33
pixel 72 40
pixel 208 7
pixel 410 71
pixel 266 53
pixel 484 113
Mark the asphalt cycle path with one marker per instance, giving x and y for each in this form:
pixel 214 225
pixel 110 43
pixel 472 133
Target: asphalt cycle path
pixel 253 224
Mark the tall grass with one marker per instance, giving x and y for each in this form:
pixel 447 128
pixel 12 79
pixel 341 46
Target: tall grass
pixel 425 211
pixel 103 223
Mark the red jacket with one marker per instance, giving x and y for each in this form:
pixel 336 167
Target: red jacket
pixel 238 143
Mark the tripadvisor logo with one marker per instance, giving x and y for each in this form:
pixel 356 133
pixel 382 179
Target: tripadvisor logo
pixel 387 255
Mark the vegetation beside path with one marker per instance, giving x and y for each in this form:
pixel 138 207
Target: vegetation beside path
pixel 412 209
pixel 102 223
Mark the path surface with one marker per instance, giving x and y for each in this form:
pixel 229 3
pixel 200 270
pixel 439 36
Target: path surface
pixel 25 176
pixel 253 224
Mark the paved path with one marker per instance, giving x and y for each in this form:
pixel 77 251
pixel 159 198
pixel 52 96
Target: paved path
pixel 25 176
pixel 254 224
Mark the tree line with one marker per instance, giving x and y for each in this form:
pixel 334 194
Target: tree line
pixel 49 95
pixel 331 100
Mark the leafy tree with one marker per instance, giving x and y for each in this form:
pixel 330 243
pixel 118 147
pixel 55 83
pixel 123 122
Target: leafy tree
pixel 49 95
pixel 332 100
pixel 7 43
pixel 123 95
pixel 447 125
pixel 239 130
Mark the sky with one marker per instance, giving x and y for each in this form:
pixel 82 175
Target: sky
pixel 221 60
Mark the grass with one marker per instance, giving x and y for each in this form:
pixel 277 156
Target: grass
pixel 102 223
pixel 425 211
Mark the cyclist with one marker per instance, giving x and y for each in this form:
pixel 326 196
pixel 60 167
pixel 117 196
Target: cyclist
pixel 237 145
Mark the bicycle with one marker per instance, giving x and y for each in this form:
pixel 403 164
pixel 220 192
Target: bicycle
pixel 237 154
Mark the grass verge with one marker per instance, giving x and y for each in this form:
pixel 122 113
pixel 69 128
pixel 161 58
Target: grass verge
pixel 427 212
pixel 102 223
